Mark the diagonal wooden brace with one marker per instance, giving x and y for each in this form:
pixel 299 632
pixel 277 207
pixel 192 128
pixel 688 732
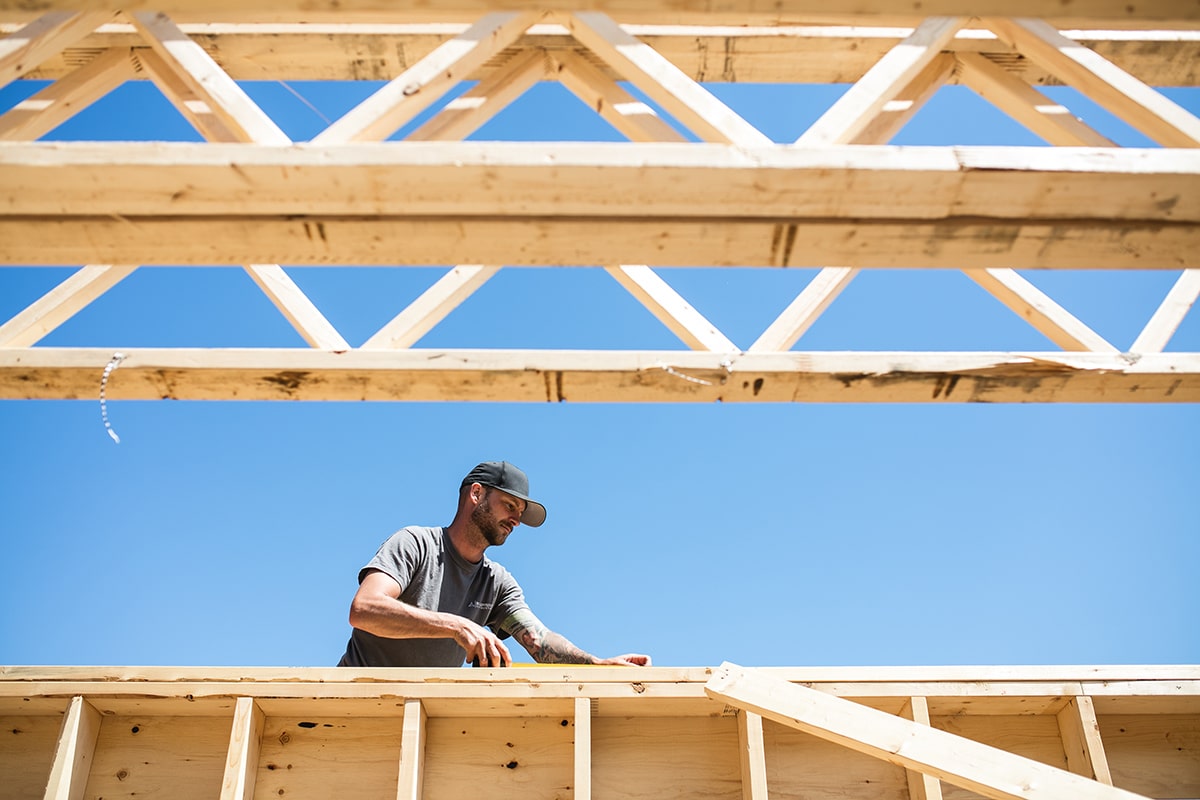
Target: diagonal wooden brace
pixel 981 768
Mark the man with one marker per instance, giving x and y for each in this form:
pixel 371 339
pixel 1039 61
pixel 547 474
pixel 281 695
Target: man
pixel 430 598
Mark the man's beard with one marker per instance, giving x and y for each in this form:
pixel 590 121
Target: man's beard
pixel 488 525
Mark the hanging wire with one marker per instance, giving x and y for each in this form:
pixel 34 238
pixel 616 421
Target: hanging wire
pixel 108 370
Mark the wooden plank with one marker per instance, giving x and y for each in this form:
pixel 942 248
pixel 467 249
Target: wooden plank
pixel 631 117
pixel 920 785
pixel 224 97
pixel 1169 315
pixel 417 88
pixel 1155 755
pixel 470 110
pixel 412 751
pixel 662 81
pixel 671 309
pixel 61 303
pixel 22 50
pixel 654 242
pixel 639 10
pixel 893 115
pixel 802 312
pixel 987 770
pixel 833 51
pixel 511 179
pixel 47 109
pixel 1178 680
pixel 190 103
pixel 753 756
pixel 308 321
pixel 1037 112
pixel 582 788
pixel 434 304
pixel 1082 744
pixel 601 376
pixel 1039 310
pixel 1141 106
pixel 865 100
pixel 245 740
pixel 74 752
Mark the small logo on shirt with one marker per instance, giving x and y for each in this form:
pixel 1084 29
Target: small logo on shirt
pixel 478 605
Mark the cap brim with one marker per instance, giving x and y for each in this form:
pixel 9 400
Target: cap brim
pixel 535 513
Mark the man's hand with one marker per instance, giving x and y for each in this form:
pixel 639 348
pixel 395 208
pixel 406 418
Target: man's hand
pixel 627 660
pixel 483 647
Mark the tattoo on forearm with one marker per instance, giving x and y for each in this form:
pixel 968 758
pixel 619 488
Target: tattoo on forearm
pixel 546 646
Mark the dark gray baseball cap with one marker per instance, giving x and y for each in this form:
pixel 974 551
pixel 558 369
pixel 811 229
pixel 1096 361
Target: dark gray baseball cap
pixel 508 478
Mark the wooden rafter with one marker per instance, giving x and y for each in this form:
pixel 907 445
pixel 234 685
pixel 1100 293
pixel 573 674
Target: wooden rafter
pixel 708 52
pixel 1129 98
pixel 1115 11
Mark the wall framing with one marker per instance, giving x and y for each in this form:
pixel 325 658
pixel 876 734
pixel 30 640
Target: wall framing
pixel 1109 733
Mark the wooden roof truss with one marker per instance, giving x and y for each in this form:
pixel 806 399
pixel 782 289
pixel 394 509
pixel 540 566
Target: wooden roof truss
pixel 720 195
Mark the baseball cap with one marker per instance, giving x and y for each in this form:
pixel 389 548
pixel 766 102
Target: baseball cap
pixel 508 478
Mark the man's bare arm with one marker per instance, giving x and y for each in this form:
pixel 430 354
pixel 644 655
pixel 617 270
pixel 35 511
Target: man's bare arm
pixel 548 647
pixel 377 609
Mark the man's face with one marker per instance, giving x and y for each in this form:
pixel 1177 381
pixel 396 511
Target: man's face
pixel 497 514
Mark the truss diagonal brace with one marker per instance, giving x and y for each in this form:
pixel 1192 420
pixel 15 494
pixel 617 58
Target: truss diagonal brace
pixel 417 88
pixel 992 772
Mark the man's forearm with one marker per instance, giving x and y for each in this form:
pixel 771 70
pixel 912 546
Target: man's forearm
pixel 557 649
pixel 395 619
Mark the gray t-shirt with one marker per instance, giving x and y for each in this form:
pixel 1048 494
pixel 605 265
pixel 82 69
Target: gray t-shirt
pixel 432 575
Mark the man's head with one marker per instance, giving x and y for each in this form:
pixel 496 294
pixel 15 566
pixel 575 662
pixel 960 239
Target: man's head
pixel 508 478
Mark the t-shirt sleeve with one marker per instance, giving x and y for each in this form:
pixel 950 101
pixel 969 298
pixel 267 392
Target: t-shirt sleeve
pixel 398 557
pixel 509 599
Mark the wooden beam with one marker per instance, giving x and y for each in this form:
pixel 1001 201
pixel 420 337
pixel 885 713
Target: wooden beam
pixel 865 100
pixel 752 754
pixel 1169 315
pixel 295 306
pixel 22 50
pixel 631 117
pixel 641 10
pixel 420 86
pixel 62 302
pixel 833 51
pixel 431 307
pixel 893 115
pixel 1039 310
pixel 1082 744
pixel 583 749
pixel 799 316
pixel 651 241
pixel 1124 95
pixel 989 771
pixel 1025 104
pixel 245 739
pixel 511 179
pixel 189 102
pixel 920 785
pixel 683 98
pixel 600 376
pixel 47 109
pixel 412 751
pixel 224 97
pixel 470 110
pixel 671 309
pixel 74 751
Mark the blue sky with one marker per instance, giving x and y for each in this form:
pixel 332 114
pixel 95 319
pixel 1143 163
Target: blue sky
pixel 226 533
